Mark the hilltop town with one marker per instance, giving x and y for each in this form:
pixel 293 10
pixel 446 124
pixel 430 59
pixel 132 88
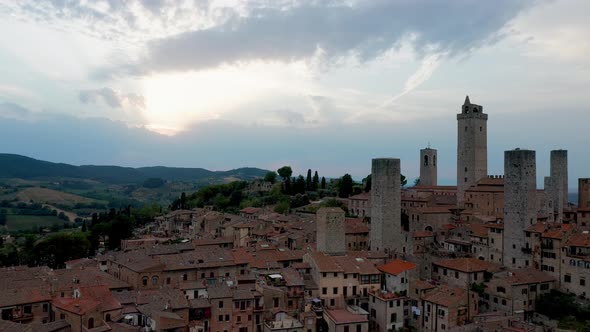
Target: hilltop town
pixel 491 253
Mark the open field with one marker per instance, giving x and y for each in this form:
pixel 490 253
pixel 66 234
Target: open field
pixel 18 222
pixel 50 196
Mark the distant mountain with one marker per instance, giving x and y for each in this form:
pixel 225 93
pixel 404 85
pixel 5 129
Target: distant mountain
pixel 17 166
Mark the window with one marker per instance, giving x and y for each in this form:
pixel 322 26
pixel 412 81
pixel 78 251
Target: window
pixel 168 281
pixel 443 327
pixel 456 275
pixel 335 274
pixel 324 274
pixel 184 277
pixel 500 289
pixel 45 307
pixel 425 160
pixel 108 317
pixel 393 318
pixel 391 304
pixel 332 302
pixel 62 316
pixel 503 302
pixel 524 291
pixel 220 318
pixel 441 313
pixel 335 290
pixel 220 305
pixel 545 286
pixel 582 282
pixel 144 281
pixel 275 302
pixel 566 278
pixel 227 318
pixel 90 323
pixel 346 329
pixel 155 280
pixel 495 300
pixel 324 290
pixel 358 328
pixel 28 309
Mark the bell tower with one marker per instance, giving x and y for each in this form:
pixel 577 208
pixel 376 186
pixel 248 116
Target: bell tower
pixel 472 147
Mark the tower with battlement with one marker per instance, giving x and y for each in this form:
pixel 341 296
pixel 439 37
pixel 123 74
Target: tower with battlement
pixel 428 171
pixel 472 147
pixel 520 207
pixel 386 230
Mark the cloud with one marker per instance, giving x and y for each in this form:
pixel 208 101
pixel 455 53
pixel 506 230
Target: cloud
pixel 112 98
pixel 13 111
pixel 365 29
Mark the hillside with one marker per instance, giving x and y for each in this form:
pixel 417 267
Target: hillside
pixel 17 166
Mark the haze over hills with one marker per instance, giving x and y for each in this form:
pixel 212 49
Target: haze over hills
pixel 17 166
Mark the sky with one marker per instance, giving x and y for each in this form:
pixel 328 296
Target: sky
pixel 326 85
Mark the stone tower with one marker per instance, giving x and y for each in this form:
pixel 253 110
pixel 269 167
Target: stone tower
pixel 472 147
pixel 520 207
pixel 386 230
pixel 583 193
pixel 330 231
pixel 558 187
pixel 548 192
pixel 428 167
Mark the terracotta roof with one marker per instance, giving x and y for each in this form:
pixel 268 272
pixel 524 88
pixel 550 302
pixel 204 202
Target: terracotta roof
pixel 478 230
pixel 361 196
pixel 250 210
pixel 343 316
pixel 353 262
pixel 579 240
pixel 446 296
pixel 524 276
pixel 423 234
pixel 356 226
pixel 467 265
pixel 396 267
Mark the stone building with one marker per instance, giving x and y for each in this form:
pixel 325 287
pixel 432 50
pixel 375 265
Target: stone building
pixel 583 193
pixel 386 232
pixel 331 238
pixel 520 211
pixel 428 168
pixel 472 151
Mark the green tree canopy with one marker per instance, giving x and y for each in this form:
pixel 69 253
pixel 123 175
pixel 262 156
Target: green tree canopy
pixel 285 172
pixel 345 186
pixel 270 177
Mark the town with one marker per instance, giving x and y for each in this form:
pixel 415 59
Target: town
pixel 478 256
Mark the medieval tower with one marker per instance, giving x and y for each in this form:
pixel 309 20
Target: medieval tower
pixel 330 232
pixel 428 167
pixel 386 230
pixel 558 183
pixel 520 209
pixel 583 193
pixel 472 147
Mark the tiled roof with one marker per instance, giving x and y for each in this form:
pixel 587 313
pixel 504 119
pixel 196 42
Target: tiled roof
pixel 396 267
pixel 343 316
pixel 446 296
pixel 467 265
pixel 356 226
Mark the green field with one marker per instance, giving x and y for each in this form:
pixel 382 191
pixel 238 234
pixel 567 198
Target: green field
pixel 18 222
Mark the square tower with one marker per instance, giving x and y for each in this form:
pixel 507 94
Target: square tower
pixel 558 187
pixel 472 147
pixel 583 193
pixel 520 207
pixel 330 231
pixel 386 229
pixel 428 171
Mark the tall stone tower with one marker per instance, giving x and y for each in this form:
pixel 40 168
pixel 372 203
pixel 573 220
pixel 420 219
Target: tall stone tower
pixel 583 193
pixel 558 187
pixel 548 196
pixel 472 147
pixel 520 207
pixel 330 231
pixel 386 230
pixel 428 171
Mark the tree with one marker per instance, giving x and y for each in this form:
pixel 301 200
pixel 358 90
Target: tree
pixel 308 180
pixel 183 201
pixel 403 180
pixel 84 228
pixel 315 182
pixel 270 177
pixel 345 186
pixel 299 185
pixel 367 183
pixel 416 182
pixel 285 172
pixel 282 207
pixel 153 183
pixel 323 185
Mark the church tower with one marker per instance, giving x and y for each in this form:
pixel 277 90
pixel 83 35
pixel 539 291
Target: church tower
pixel 472 147
pixel 428 167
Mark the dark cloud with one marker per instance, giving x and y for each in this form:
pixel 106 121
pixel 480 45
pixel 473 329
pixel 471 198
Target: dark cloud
pixel 112 98
pixel 366 29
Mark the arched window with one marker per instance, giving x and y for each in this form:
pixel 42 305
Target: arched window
pixel 434 160
pixel 155 280
pixel 425 160
pixel 475 110
pixel 144 281
pixel 90 323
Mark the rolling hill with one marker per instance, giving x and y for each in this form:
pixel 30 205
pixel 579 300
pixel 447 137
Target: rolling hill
pixel 17 166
